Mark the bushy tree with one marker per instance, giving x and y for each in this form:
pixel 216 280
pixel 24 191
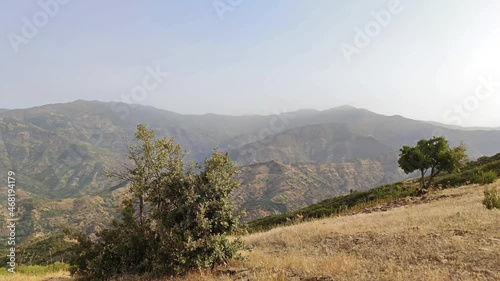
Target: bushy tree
pixel 434 156
pixel 174 220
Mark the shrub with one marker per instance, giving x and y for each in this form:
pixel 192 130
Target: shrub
pixel 481 177
pixel 476 175
pixel 489 177
pixel 175 220
pixel 491 198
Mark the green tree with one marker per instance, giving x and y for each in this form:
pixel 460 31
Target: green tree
pixel 434 156
pixel 176 218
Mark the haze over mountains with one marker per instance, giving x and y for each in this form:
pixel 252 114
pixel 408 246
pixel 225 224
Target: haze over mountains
pixel 60 153
pixel 455 127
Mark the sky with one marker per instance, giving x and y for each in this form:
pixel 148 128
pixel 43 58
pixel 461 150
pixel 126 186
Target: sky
pixel 427 60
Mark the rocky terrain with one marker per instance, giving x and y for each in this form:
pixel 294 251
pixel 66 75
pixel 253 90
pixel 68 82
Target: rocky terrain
pixel 61 152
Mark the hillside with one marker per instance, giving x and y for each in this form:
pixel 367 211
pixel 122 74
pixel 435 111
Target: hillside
pixel 91 213
pixel 321 143
pixel 450 236
pixel 388 193
pixel 274 188
pixel 62 150
pixel 447 236
pixel 39 217
pixel 356 133
pixel 455 127
pixel 385 233
pixel 60 153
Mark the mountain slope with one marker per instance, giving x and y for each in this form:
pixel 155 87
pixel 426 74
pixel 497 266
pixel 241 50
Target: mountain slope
pixel 361 134
pixel 455 127
pixel 61 151
pixel 274 188
pixel 447 236
pixel 321 143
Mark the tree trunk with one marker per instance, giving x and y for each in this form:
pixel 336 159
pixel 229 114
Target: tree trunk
pixel 423 178
pixel 431 177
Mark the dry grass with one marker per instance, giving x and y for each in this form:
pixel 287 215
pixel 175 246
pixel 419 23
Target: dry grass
pixel 56 276
pixel 453 238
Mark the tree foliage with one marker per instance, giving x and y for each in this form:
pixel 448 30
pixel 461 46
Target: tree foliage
pixel 174 220
pixel 434 156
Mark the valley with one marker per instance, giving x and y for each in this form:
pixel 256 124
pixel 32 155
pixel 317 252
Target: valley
pixel 61 153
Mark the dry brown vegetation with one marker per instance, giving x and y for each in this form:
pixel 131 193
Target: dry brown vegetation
pixel 450 235
pixel 56 276
pixel 452 238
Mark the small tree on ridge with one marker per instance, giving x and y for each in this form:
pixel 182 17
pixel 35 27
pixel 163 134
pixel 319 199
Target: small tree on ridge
pixel 433 155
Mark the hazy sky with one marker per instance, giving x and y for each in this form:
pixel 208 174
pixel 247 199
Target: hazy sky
pixel 432 60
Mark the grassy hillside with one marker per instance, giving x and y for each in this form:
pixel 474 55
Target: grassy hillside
pixel 386 233
pixel 471 173
pixel 339 205
pixel 448 236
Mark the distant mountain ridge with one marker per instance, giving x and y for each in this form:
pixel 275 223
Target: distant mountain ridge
pixel 455 127
pixel 319 143
pixel 61 151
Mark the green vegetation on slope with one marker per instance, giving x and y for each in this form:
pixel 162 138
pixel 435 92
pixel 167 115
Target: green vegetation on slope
pixel 42 251
pixel 473 172
pixel 491 198
pixel 339 204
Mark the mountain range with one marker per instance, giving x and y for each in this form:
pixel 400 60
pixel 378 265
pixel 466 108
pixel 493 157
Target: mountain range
pixel 60 153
